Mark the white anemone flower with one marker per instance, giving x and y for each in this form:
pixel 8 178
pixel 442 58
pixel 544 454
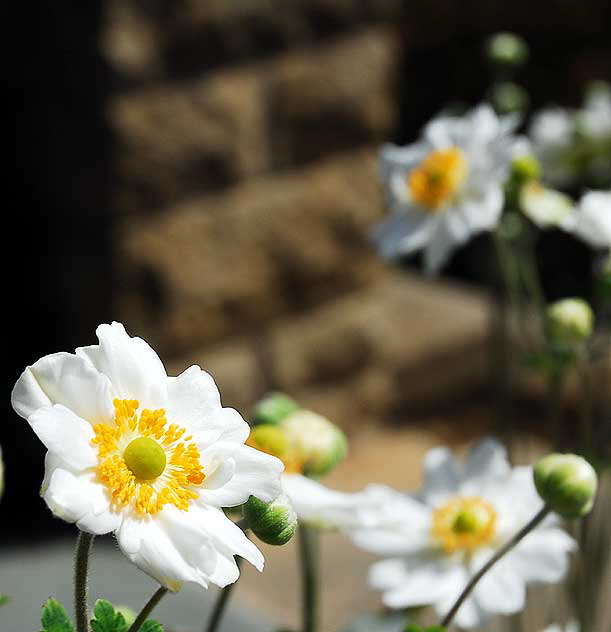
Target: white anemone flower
pixel 437 540
pixel 545 207
pixel 571 626
pixel 319 506
pixel 591 220
pixel 149 457
pixel 447 187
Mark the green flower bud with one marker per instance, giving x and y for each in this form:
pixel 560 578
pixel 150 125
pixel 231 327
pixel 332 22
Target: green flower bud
pixel 273 408
pixel 315 442
pixel 507 96
pixel 566 483
pixel 526 167
pixel 269 438
pixel 569 321
pixel 507 49
pixel 273 523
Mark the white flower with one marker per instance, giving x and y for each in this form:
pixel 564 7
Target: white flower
pixel 447 187
pixel 149 457
pixel 439 539
pixel 552 133
pixel 594 119
pixel 591 221
pixel 318 506
pixel 571 626
pixel 544 207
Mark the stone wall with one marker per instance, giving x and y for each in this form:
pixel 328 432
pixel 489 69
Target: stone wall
pixel 246 135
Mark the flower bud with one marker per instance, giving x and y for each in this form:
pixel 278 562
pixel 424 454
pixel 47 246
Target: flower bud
pixel 545 207
pixel 569 321
pixel 526 167
pixel 507 49
pixel 273 523
pixel 314 441
pixel 269 438
pixel 507 96
pixel 273 408
pixel 566 483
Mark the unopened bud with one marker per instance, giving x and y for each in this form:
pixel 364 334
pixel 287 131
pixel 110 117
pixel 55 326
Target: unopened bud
pixel 507 97
pixel 273 408
pixel 566 483
pixel 526 167
pixel 269 438
pixel 273 523
pixel 314 441
pixel 569 321
pixel 507 49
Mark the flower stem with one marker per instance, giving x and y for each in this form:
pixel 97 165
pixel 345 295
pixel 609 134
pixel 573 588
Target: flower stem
pixel 148 608
pixel 84 543
pixel 308 550
pixel 492 561
pixel 221 603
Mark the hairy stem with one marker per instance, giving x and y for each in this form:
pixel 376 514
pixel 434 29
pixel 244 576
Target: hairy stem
pixel 148 608
pixel 308 550
pixel 221 603
pixel 492 561
pixel 84 543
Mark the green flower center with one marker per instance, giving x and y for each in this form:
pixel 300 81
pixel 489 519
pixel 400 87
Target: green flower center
pixel 145 458
pixel 466 521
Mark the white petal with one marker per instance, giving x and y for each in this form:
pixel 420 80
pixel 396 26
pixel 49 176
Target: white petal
pixel 469 615
pixel 169 546
pixel 501 590
pixel 403 233
pixel 134 369
pixel 79 500
pixel 256 474
pixel 543 555
pixel 486 462
pixel 63 378
pixel 441 476
pixel 193 398
pixel 65 435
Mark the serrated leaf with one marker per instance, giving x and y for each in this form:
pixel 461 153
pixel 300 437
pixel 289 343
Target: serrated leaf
pixel 151 626
pixel 54 617
pixel 106 619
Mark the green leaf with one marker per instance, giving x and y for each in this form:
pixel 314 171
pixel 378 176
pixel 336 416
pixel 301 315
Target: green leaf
pixel 106 619
pixel 151 626
pixel 54 617
pixel 4 599
pixel 416 628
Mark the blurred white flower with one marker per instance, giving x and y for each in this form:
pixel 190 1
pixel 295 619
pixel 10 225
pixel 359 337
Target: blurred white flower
pixel 150 457
pixel 437 540
pixel 545 207
pixel 446 187
pixel 591 220
pixel 571 626
pixel 594 119
pixel 324 508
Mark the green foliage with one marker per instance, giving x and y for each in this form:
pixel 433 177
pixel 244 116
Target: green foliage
pixel 416 628
pixel 106 619
pixel 4 599
pixel 54 617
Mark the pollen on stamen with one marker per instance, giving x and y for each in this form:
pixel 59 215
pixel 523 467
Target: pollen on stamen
pixel 174 485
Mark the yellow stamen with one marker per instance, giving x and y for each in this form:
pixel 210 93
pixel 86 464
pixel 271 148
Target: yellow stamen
pixel 464 524
pixel 438 178
pixel 150 484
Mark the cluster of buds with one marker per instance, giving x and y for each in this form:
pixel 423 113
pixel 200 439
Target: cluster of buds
pixel 306 442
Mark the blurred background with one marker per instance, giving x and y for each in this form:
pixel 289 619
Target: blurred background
pixel 205 172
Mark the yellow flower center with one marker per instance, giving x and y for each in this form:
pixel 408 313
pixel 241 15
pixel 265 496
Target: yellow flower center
pixel 146 462
pixel 438 177
pixel 464 524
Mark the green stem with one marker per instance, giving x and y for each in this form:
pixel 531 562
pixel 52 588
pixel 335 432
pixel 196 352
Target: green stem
pixel 492 561
pixel 221 604
pixel 308 549
pixel 148 608
pixel 84 543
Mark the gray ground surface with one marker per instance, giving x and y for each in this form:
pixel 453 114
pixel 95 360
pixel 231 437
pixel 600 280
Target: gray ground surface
pixel 30 575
